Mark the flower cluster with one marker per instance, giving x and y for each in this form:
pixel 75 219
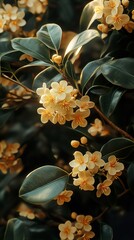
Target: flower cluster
pixel 34 6
pixel 60 104
pixel 11 18
pixel 86 167
pixel 9 159
pixel 113 14
pixel 80 229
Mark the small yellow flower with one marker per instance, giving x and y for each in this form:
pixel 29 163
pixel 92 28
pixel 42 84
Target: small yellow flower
pixel 129 26
pixel 78 118
pixel 84 103
pixel 60 90
pixel 96 127
pixel 64 196
pixel 103 188
pixel 113 166
pixel 118 20
pixel 79 161
pixel 85 181
pixel 87 236
pixel 83 222
pixel 94 159
pixel 67 231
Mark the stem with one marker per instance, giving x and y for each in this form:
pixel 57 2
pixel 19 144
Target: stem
pixel 122 132
pixel 123 193
pixel 18 83
pixel 101 214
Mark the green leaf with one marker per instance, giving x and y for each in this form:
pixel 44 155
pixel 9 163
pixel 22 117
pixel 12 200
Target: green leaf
pixel 120 72
pixel 120 147
pixel 110 100
pixel 130 176
pixel 50 34
pixel 81 39
pixel 106 232
pixel 43 184
pixel 48 76
pixel 90 70
pixel 33 47
pixel 15 230
pixel 87 17
pixel 99 89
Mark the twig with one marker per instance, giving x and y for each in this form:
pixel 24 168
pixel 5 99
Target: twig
pixel 18 83
pixel 122 132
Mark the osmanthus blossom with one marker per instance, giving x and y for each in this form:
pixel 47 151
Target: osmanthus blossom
pixel 87 236
pixel 11 18
pixel 111 7
pixel 83 222
pixel 60 90
pixel 96 127
pixel 85 181
pixel 64 196
pixel 80 161
pixel 119 19
pixel 78 118
pixel 2 23
pixel 103 188
pixel 8 157
pixel 113 166
pixel 67 230
pixel 84 103
pixel 34 6
pixel 94 159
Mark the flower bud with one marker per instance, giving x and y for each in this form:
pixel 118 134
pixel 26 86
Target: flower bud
pixel 83 140
pixel 57 59
pixel 75 143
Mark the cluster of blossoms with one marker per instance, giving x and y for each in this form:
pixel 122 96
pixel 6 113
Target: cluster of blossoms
pixel 9 159
pixel 60 104
pixel 80 229
pixel 11 18
pixel 86 167
pixel 30 213
pixel 113 14
pixel 34 6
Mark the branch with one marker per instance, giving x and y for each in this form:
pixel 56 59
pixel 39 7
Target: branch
pixel 122 132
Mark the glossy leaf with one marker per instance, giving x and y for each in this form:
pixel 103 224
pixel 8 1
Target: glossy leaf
pixel 43 184
pixel 50 35
pixel 106 232
pixel 90 70
pixel 81 39
pixel 33 47
pixel 15 230
pixel 130 176
pixel 87 17
pixel 120 147
pixel 99 89
pixel 119 72
pixel 48 76
pixel 110 100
